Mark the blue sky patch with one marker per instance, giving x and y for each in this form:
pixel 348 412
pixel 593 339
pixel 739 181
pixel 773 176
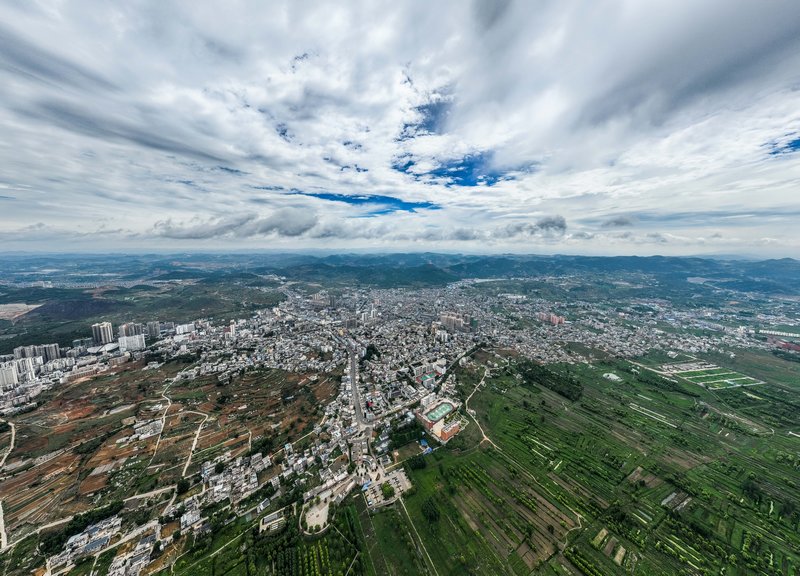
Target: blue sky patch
pixel 267 187
pixel 432 120
pixel 381 204
pixel 283 131
pixel 403 164
pixel 777 148
pixel 355 167
pixel 471 170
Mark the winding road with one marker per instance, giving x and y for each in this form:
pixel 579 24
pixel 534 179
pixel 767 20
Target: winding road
pixel 484 438
pixel 163 422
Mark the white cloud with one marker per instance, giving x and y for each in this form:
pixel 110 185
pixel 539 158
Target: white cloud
pixel 187 125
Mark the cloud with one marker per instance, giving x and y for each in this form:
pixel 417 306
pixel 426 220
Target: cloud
pixel 549 225
pixel 283 222
pixel 457 124
pixel 617 222
pixel 22 57
pixel 96 125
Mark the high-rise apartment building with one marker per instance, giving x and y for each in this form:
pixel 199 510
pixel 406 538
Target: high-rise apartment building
pixel 102 333
pixel 130 329
pixel 9 377
pixel 154 330
pixel 51 352
pixel 132 343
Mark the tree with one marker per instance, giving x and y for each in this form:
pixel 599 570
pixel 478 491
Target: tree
pixel 387 490
pixel 183 486
pixel 417 463
pixel 219 467
pixel 430 510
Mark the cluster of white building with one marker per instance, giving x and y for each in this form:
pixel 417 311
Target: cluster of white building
pixel 93 539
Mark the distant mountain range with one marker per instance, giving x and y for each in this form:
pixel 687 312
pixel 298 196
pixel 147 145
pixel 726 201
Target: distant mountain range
pixel 409 269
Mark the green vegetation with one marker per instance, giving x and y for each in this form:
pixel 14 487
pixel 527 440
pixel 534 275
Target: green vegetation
pixel 183 486
pixel 240 549
pixel 412 432
pixel 387 490
pixel 52 542
pixel 66 314
pixel 645 473
pixel 568 386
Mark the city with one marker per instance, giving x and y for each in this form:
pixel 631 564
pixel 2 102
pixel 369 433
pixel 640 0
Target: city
pixel 374 288
pixel 335 396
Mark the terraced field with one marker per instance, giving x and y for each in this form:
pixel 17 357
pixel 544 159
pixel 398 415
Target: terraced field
pixel 643 476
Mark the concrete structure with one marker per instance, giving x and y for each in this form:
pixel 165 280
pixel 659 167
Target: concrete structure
pixel 185 328
pixel 132 343
pixel 130 329
pixel 154 330
pixel 102 333
pixel 434 417
pixel 9 377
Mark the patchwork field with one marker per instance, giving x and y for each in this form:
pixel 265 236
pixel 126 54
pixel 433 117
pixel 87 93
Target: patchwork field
pixel 134 431
pixel 709 375
pixel 643 475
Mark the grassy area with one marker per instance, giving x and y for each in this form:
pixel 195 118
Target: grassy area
pixel 238 548
pixel 637 474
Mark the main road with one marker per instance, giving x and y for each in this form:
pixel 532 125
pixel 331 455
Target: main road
pixel 359 412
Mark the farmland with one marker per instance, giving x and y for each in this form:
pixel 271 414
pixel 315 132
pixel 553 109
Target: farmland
pixel 641 475
pixel 709 375
pixel 239 548
pixel 80 446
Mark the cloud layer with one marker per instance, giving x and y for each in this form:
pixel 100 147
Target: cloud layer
pixel 620 127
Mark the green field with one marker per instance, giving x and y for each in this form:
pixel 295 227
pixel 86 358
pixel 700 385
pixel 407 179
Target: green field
pixel 238 549
pixel 601 486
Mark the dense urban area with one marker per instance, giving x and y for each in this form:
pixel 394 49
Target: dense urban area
pixel 412 419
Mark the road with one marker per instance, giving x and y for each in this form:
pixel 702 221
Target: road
pixel 194 443
pixel 163 422
pixel 151 493
pixel 351 350
pixel 41 529
pixel 466 407
pixel 3 536
pixel 11 446
pixel 403 504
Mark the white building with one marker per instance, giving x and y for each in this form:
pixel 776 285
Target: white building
pixel 9 377
pixel 132 343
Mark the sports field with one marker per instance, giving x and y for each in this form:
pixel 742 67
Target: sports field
pixel 441 410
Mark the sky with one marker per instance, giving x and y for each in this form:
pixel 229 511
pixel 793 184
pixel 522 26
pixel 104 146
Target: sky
pixel 596 127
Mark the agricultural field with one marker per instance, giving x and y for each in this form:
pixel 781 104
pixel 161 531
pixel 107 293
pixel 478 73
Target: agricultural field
pixel 642 475
pixel 709 375
pixel 239 548
pixel 80 447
